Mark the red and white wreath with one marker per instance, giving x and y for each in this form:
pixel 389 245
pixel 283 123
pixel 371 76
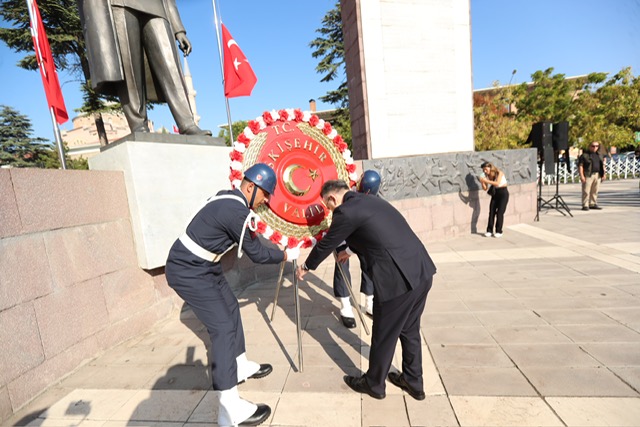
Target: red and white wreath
pixel 304 237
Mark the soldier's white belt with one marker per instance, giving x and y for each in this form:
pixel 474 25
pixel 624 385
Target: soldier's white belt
pixel 199 251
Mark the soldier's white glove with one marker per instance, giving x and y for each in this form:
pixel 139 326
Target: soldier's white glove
pixel 292 253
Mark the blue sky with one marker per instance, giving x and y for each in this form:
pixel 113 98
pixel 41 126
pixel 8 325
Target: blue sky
pixel 573 36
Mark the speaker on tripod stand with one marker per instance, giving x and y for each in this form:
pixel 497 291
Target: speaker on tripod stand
pixel 550 139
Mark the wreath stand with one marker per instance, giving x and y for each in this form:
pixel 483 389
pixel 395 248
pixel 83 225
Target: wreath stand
pixel 296 292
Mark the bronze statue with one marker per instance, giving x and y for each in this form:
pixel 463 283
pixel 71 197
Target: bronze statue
pixel 132 54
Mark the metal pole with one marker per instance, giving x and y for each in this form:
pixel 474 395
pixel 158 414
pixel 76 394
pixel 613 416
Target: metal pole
pixel 56 132
pixel 221 56
pixel 356 303
pixel 298 322
pixel 279 284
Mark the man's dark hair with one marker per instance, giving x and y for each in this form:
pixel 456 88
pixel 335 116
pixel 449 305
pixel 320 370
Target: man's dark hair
pixel 333 185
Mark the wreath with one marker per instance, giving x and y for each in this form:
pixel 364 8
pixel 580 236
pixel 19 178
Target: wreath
pixel 293 217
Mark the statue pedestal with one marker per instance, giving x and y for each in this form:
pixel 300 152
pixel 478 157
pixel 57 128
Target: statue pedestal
pixel 168 177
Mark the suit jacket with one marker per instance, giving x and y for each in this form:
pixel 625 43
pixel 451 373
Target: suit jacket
pixel 396 260
pixel 101 40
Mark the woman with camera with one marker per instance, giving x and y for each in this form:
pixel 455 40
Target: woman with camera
pixel 494 182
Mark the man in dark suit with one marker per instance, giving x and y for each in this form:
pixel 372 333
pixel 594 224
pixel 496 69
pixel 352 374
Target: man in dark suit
pixel 402 273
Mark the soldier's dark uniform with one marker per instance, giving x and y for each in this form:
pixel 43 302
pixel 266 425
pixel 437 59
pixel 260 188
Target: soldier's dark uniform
pixel 216 228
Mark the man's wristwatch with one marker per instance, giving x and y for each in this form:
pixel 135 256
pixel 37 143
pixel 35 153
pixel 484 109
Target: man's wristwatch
pixel 304 266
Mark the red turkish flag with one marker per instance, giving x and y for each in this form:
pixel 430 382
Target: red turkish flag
pixel 239 78
pixel 45 62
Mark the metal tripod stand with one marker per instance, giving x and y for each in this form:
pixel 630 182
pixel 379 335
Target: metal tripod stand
pixel 560 203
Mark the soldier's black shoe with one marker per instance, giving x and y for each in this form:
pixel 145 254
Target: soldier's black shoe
pixel 360 385
pixel 398 380
pixel 596 207
pixel 258 417
pixel 265 369
pixel 585 208
pixel 348 322
pixel 195 130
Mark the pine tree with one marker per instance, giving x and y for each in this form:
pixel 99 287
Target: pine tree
pixel 329 47
pixel 17 147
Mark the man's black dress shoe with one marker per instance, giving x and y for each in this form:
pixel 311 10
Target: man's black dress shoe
pixel 265 369
pixel 398 380
pixel 258 417
pixel 348 322
pixel 585 208
pixel 360 385
pixel 596 207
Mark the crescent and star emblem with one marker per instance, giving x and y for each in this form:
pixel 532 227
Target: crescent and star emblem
pixel 291 186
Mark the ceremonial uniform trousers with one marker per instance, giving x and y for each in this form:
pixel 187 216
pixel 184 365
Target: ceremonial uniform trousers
pixel 339 285
pixel 216 228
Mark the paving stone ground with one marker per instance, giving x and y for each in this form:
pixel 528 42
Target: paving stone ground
pixel 538 328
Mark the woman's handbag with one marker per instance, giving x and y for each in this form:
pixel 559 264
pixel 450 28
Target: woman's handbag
pixel 491 190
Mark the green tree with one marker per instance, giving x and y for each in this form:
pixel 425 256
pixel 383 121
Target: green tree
pixel 610 113
pixel 329 48
pixel 237 127
pixel 495 127
pixel 64 31
pixel 18 148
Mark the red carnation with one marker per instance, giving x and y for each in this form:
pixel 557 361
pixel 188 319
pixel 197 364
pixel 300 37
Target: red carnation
pixel 342 146
pixel 307 242
pixel 262 227
pixel 292 242
pixel 243 138
pixel 318 236
pixel 276 237
pixel 314 120
pixel 284 116
pixel 298 115
pixel 337 140
pixel 236 155
pixel 254 126
pixel 235 174
pixel 266 116
pixel 327 128
pixel 351 168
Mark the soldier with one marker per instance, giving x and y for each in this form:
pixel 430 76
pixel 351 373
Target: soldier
pixel 193 270
pixel 131 48
pixel 369 184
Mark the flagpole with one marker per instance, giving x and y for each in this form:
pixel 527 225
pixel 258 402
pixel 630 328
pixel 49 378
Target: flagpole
pixel 56 132
pixel 226 100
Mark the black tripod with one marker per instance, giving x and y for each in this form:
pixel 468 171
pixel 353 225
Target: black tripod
pixel 557 197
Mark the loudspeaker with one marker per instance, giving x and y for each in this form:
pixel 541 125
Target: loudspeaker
pixel 561 136
pixel 541 136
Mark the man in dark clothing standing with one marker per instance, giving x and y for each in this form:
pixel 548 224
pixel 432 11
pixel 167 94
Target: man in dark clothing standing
pixel 194 271
pixel 402 273
pixel 591 166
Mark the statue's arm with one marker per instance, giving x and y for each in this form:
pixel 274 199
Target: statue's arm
pixel 178 29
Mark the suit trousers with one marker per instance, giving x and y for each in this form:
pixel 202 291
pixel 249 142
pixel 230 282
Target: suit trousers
pixel 215 305
pixel 393 319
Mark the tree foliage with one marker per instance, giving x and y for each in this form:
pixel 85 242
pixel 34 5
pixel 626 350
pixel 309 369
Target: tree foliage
pixel 329 49
pixel 19 149
pixel 596 109
pixel 237 127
